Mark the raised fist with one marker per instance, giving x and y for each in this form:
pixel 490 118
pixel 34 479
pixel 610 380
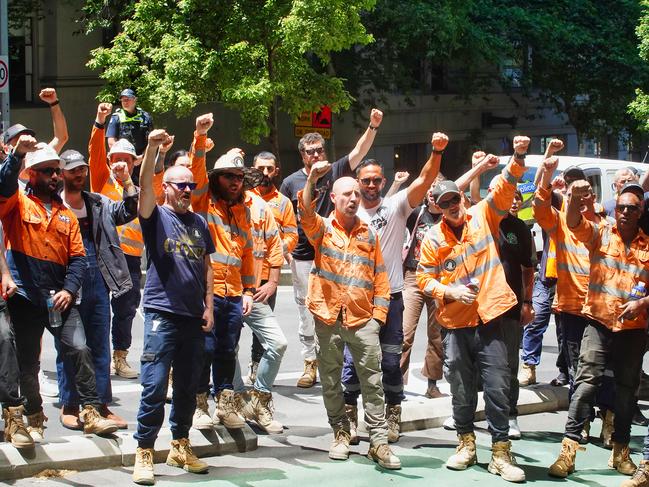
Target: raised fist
pixel 555 146
pixel 120 171
pixel 376 117
pixel 48 95
pixel 209 144
pixel 204 123
pixel 25 144
pixel 319 169
pixel 477 158
pixel 400 177
pixel 164 148
pixel 103 111
pixel 579 190
pixel 158 138
pixel 550 164
pixel 521 143
pixel 439 141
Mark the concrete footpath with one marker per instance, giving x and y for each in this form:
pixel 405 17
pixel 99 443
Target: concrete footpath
pixel 89 452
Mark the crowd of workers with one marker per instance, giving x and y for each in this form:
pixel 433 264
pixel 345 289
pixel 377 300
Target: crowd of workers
pixel 363 266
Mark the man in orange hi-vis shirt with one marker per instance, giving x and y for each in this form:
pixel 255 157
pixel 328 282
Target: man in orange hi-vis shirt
pixel 616 309
pixel 460 267
pixel 348 295
pixel 102 181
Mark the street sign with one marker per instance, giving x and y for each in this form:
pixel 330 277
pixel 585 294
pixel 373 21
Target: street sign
pixel 4 74
pixel 314 122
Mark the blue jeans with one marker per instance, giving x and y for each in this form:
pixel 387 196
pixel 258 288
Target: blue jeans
pixel 169 339
pixel 391 339
pixel 95 315
pixel 221 345
pixel 125 306
pixel 533 333
pixel 478 353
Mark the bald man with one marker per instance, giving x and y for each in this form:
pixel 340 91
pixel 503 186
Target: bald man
pixel 348 295
pixel 177 310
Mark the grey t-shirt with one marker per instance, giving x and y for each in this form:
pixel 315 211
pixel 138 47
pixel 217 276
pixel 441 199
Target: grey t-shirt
pixel 389 218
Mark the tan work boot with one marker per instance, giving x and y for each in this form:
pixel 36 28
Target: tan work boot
pixel 15 431
pixel 339 449
pixel 202 419
pixel 143 468
pixel 108 414
pixel 504 464
pixel 181 455
pixel 94 424
pixel 226 410
pixel 382 454
pixel 260 410
pixel 585 433
pixel 565 464
pixel 640 477
pixel 310 374
pixel 121 366
pixel 620 459
pixel 69 418
pixel 465 454
pixel 527 375
pixel 393 418
pixel 36 425
pixel 241 400
pixel 352 417
pixel 607 430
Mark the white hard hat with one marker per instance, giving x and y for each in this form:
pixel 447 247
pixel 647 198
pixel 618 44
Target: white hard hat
pixel 122 146
pixel 44 153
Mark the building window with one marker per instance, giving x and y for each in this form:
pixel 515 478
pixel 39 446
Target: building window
pixel 21 62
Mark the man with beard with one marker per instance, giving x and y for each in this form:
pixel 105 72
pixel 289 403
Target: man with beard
pixel 388 216
pixel 312 149
pixel 177 310
pixel 106 272
pixel 233 264
pixel 47 261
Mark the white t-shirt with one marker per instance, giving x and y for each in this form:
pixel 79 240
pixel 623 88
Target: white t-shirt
pixel 388 219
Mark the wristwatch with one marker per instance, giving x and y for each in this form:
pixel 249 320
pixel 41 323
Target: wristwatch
pixel 519 156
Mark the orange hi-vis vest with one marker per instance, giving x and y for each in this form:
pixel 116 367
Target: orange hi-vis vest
pixel 285 218
pixel 446 261
pixel 348 277
pixel 266 243
pixel 102 181
pixel 572 257
pixel 231 229
pixel 614 271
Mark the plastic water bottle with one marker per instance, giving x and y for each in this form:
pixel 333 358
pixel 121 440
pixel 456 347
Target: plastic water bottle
pixel 639 291
pixel 474 285
pixel 55 316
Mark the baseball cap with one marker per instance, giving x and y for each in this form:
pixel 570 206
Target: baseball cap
pixel 72 158
pixel 122 146
pixel 634 188
pixel 16 130
pixel 44 153
pixel 232 160
pixel 444 188
pixel 575 173
pixel 128 93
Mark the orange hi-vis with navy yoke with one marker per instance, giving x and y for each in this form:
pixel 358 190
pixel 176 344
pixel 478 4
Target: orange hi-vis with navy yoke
pixel 231 229
pixel 285 218
pixel 266 243
pixel 572 259
pixel 446 261
pixel 103 182
pixel 348 278
pixel 614 270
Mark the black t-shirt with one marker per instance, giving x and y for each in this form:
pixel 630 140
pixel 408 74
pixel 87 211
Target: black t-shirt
pixel 426 221
pixel 515 249
pixel 296 182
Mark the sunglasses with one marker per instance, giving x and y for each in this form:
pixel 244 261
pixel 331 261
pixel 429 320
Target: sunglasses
pixel 368 181
pixel 184 186
pixel 444 205
pixel 316 150
pixel 629 208
pixel 48 171
pixel 232 176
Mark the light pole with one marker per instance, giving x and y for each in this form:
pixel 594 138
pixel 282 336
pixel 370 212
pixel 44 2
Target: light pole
pixel 4 54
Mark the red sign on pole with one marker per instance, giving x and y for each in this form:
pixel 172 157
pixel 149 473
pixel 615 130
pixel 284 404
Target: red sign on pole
pixel 315 122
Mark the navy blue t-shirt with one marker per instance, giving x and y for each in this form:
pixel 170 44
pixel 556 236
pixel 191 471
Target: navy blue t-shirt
pixel 176 248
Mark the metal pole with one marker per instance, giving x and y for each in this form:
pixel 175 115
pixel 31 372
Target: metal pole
pixel 4 51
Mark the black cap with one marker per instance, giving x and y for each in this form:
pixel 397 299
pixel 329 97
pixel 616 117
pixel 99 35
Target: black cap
pixel 634 188
pixel 575 173
pixel 16 130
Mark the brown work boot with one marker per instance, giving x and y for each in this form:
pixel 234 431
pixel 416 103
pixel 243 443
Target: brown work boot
pixel 260 410
pixel 36 425
pixel 69 418
pixel 143 468
pixel 15 431
pixel 310 374
pixel 620 459
pixel 226 410
pixel 640 477
pixel 565 464
pixel 504 464
pixel 121 366
pixel 94 424
pixel 433 392
pixel 607 429
pixel 339 449
pixel 465 453
pixel 181 455
pixel 527 375
pixel 352 417
pixel 382 454
pixel 393 418
pixel 108 414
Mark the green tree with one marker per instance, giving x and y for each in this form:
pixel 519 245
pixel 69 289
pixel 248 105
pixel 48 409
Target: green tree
pixel 258 57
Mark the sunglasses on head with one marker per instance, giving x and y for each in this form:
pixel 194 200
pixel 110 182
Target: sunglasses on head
pixel 48 171
pixel 233 176
pixel 629 208
pixel 368 181
pixel 444 205
pixel 183 186
pixel 315 150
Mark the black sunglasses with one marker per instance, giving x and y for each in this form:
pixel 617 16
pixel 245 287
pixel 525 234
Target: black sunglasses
pixel 48 171
pixel 232 176
pixel 368 181
pixel 444 205
pixel 629 208
pixel 183 186
pixel 316 150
